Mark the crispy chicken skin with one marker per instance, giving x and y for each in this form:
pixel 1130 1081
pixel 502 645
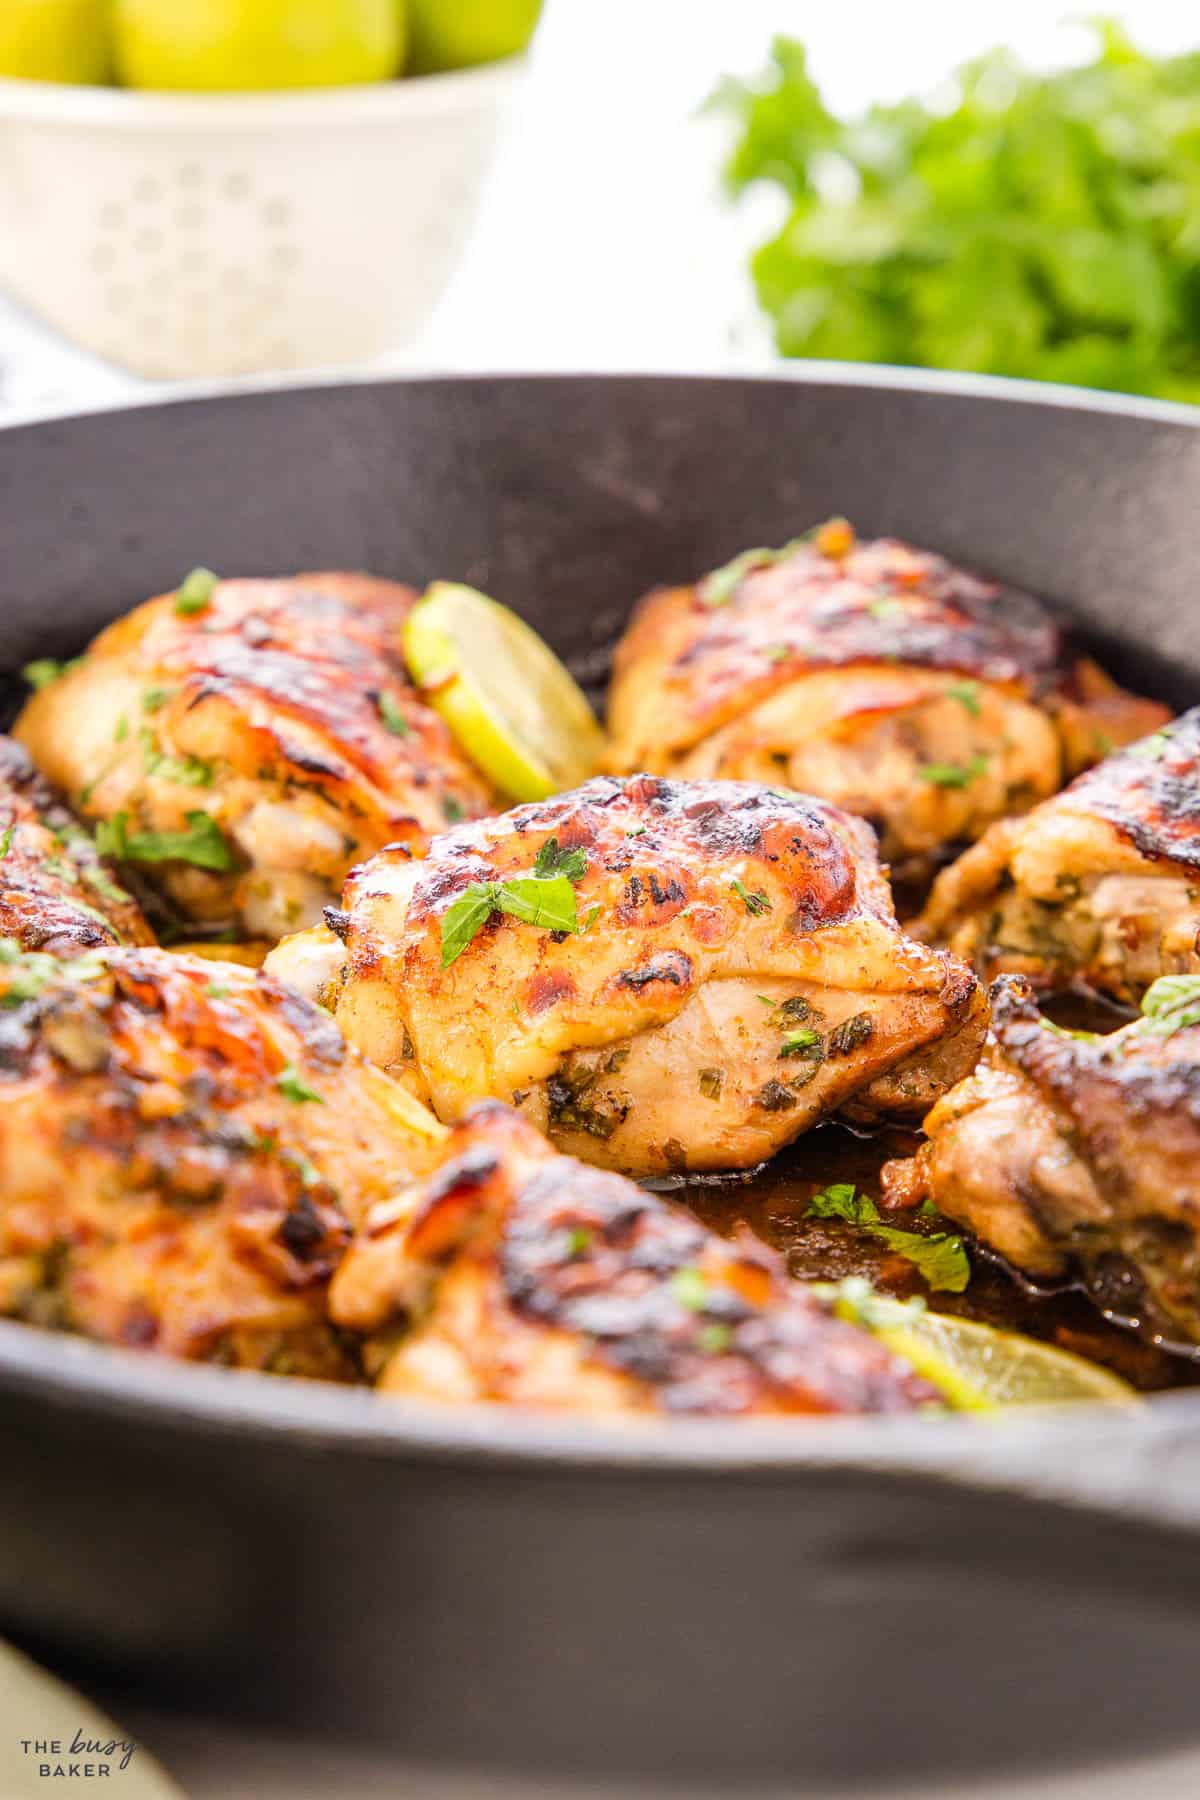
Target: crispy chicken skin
pixel 1100 884
pixel 880 677
pixel 1074 1154
pixel 56 892
pixel 185 1149
pixel 518 1275
pixel 739 975
pixel 278 712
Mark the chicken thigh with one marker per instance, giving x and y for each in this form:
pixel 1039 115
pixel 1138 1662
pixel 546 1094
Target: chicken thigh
pixel 1076 1154
pixel 880 677
pixel 185 1149
pixel 518 1275
pixel 243 742
pixel 1100 884
pixel 664 975
pixel 56 892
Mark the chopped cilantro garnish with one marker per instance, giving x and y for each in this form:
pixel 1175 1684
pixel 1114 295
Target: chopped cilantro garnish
pixel 46 669
pixel 719 587
pixel 544 901
pixel 392 716
pixel 217 990
pixel 453 809
pixel 885 606
pixel 756 903
pixel 967 695
pixel 806 1043
pixel 1153 748
pixel 293 1086
pixel 103 884
pixel 187 771
pixel 202 844
pixel 195 592
pixel 939 1257
pixel 715 1338
pixel 954 775
pixel 155 698
pixel 1171 1003
pixel 551 860
pixel 122 730
pixel 690 1288
pixel 7 838
pixel 579 1240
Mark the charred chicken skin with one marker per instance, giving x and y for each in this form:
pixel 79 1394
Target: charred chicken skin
pixel 244 742
pixel 185 1149
pixel 518 1275
pixel 1070 1153
pixel 1100 884
pixel 56 892
pixel 880 677
pixel 664 975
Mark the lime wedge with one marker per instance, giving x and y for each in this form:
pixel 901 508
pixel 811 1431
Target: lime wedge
pixel 976 1367
pixel 514 709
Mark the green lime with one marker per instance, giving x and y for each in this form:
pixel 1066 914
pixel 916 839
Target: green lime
pixel 223 45
pixel 976 1367
pixel 504 694
pixel 56 40
pixel 457 34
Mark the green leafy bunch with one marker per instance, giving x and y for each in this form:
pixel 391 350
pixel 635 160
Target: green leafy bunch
pixel 1044 226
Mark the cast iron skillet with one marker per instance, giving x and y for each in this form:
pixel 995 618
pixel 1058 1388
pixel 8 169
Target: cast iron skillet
pixel 820 1600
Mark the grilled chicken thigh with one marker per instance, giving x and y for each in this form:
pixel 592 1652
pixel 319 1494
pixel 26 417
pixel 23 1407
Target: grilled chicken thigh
pixel 1100 884
pixel 1073 1153
pixel 664 975
pixel 185 1149
pixel 878 676
pixel 515 1274
pixel 244 742
pixel 56 892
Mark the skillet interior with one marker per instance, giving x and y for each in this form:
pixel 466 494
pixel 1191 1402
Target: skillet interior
pixel 567 497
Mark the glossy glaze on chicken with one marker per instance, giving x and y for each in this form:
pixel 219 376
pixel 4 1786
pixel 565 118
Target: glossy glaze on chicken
pixel 735 975
pixel 244 742
pixel 881 677
pixel 1069 1153
pixel 519 1275
pixel 1100 884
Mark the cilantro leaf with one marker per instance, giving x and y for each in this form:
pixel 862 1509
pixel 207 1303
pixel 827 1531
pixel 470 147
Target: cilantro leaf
pixel 391 714
pixel 756 903
pixel 967 695
pixel 1010 230
pixel 547 901
pixel 46 669
pixel 293 1086
pixel 202 844
pixel 953 775
pixel 553 861
pixel 939 1257
pixel 195 592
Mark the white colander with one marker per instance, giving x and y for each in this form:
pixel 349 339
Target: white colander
pixel 189 235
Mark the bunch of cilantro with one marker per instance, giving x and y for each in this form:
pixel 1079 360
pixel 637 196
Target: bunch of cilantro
pixel 1044 226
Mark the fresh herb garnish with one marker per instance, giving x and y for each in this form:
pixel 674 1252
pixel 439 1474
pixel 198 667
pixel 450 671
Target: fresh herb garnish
pixel 719 587
pixel 938 1257
pixel 453 809
pixel 293 1086
pixel 188 771
pixel 579 1240
pixel 1171 1003
pixel 99 880
pixel 392 716
pixel 1152 748
pixel 155 698
pixel 967 695
pixel 545 901
pixel 217 990
pixel 690 1287
pixel 756 903
pixel 954 775
pixel 551 860
pixel 7 838
pixel 195 592
pixel 887 606
pixel 806 1043
pixel 715 1338
pixel 202 844
pixel 46 669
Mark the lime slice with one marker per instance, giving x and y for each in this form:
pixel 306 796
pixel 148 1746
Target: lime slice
pixel 976 1367
pixel 514 709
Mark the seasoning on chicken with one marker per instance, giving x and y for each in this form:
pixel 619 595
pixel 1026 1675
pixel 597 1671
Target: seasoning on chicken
pixel 185 1149
pixel 518 1275
pixel 1072 1153
pixel 244 742
pixel 881 677
pixel 1100 884
pixel 56 892
pixel 664 975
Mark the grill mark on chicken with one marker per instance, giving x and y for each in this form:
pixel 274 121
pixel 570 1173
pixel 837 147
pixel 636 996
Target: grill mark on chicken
pixel 1151 792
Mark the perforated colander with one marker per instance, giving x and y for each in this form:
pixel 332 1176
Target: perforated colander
pixel 184 235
